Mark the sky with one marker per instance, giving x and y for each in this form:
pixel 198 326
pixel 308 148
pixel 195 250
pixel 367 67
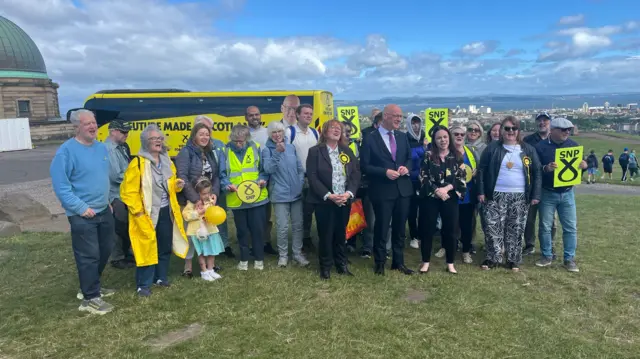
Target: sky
pixel 356 49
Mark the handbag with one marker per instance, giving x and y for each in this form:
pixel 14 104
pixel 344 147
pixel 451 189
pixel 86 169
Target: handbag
pixel 357 222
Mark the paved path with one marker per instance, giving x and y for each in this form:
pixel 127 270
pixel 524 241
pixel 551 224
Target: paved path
pixel 25 166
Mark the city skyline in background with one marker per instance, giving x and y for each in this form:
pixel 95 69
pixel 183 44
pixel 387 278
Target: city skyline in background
pixel 360 51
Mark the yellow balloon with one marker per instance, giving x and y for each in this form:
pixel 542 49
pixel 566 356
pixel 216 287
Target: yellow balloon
pixel 215 215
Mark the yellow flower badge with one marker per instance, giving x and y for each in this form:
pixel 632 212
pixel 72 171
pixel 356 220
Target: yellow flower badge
pixel 344 158
pixel 526 161
pixel 448 173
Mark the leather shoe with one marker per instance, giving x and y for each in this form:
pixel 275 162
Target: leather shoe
pixel 344 271
pixel 325 274
pixel 379 269
pixel 402 269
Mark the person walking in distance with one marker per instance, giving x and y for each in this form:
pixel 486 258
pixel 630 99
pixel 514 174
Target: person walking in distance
pixel 302 136
pixel 607 165
pixel 623 160
pixel 543 121
pixel 260 136
pixel 386 158
pixel 633 165
pixel 119 158
pixel 561 199
pixel 592 167
pixel 80 178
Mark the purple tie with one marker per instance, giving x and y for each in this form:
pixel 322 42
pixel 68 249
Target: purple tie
pixel 392 144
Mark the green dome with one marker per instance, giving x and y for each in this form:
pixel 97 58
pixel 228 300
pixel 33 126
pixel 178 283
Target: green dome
pixel 19 55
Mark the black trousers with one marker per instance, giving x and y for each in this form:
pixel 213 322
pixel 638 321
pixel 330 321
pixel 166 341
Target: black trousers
pixel 331 222
pixel 430 208
pixel 413 217
pixel 466 218
pixel 122 247
pixel 390 212
pixel 624 173
pixel 250 223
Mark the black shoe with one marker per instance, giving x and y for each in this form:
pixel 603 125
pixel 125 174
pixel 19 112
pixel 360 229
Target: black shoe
pixel 325 274
pixel 229 253
pixel 217 268
pixel 268 249
pixel 402 269
pixel 528 251
pixel 379 269
pixel 365 254
pixel 344 271
pixel 122 264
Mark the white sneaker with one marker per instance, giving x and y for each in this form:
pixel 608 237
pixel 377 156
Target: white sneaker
pixel 466 258
pixel 282 262
pixel 440 253
pixel 259 265
pixel 243 265
pixel 414 243
pixel 302 260
pixel 214 275
pixel 206 276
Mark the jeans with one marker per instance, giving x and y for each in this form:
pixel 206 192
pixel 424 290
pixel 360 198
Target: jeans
pixel 147 275
pixel 284 212
pixel 250 223
pixel 92 241
pixel 530 229
pixel 565 204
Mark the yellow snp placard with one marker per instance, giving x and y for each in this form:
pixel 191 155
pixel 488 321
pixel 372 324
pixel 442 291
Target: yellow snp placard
pixel 568 172
pixel 349 116
pixel 435 117
pixel 249 191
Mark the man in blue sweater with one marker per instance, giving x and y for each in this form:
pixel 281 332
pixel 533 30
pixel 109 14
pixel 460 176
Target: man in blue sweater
pixel 80 178
pixel 561 199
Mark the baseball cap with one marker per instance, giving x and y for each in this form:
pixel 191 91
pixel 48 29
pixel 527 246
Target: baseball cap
pixel 626 149
pixel 541 116
pixel 120 126
pixel 560 122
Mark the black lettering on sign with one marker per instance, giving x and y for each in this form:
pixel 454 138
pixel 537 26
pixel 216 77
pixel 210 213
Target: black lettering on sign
pixel 222 126
pixel 568 166
pixel 185 138
pixel 436 118
pixel 248 191
pixel 177 126
pixel 347 116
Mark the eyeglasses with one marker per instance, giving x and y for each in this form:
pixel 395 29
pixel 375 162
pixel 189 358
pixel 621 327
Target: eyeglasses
pixel 510 129
pixel 156 138
pixel 335 128
pixel 290 108
pixel 473 130
pixel 458 134
pixel 565 129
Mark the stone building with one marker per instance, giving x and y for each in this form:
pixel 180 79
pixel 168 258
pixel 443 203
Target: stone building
pixel 25 88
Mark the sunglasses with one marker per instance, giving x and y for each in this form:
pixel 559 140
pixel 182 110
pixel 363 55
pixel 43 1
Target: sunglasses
pixel 565 129
pixel 510 129
pixel 473 130
pixel 458 134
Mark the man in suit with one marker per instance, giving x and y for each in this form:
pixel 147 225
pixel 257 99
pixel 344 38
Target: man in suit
pixel 386 159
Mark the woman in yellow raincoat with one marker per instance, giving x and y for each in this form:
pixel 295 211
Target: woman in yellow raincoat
pixel 149 190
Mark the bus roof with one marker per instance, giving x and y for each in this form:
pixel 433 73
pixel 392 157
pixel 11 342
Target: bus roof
pixel 151 93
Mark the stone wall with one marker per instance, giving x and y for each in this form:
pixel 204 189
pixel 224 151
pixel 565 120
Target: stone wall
pixel 42 94
pixel 52 132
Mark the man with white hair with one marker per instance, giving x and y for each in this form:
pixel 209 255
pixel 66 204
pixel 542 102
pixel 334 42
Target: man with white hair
pixel 80 178
pixel 218 152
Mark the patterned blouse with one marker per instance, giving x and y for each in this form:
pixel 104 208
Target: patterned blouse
pixel 339 177
pixel 435 175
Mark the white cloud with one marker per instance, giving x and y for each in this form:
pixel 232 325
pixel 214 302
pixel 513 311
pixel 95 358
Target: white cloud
pixel 572 20
pixel 106 44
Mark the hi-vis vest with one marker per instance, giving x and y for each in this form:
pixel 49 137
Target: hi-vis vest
pixel 247 170
pixel 472 159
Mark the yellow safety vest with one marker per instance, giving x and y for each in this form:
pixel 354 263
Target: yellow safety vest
pixel 247 170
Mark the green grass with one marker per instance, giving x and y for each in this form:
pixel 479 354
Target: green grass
pixel 602 146
pixel 290 313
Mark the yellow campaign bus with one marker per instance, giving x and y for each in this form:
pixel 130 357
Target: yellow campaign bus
pixel 174 111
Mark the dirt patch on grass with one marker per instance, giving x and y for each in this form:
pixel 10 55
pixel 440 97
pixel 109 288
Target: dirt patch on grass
pixel 175 337
pixel 416 296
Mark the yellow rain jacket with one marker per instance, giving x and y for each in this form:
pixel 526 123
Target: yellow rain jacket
pixel 136 192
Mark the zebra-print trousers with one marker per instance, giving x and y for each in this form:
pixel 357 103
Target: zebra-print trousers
pixel 506 216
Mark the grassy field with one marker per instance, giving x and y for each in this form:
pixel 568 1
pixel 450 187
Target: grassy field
pixel 290 313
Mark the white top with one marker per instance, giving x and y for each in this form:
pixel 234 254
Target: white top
pixel 259 136
pixel 511 180
pixel 385 137
pixel 302 142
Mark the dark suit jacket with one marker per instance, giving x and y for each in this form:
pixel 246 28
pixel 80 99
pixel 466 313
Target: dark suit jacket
pixel 375 160
pixel 320 172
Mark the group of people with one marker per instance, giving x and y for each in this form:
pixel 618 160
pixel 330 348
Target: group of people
pixel 146 207
pixel 628 163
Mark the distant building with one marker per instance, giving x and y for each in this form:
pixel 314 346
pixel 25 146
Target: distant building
pixel 485 110
pixel 473 109
pixel 26 91
pixel 458 120
pixel 633 106
pixel 606 106
pixel 585 107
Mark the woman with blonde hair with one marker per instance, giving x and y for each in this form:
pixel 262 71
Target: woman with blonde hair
pixel 155 222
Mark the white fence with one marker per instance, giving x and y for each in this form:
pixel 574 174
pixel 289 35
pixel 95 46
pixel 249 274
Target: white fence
pixel 15 134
